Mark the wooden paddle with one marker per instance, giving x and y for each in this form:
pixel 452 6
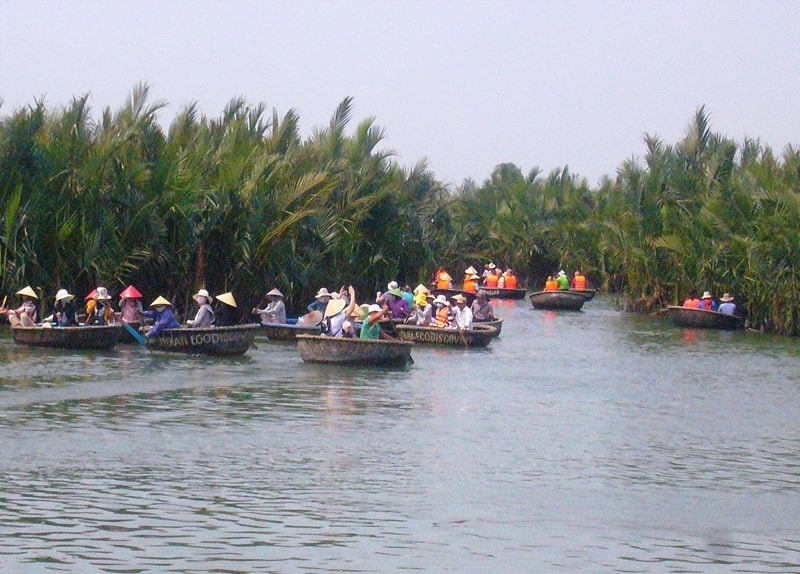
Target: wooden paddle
pixel 138 336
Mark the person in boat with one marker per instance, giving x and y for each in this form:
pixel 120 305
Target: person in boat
pixel 205 314
pixel 64 309
pixel 470 284
pixel 481 308
pixel 462 315
pixel 551 284
pixel 487 270
pixel 370 328
pixel 337 311
pixel 348 330
pixel 507 280
pixel 226 314
pixel 320 301
pixel 420 292
pixel 441 316
pixel 99 310
pixel 707 302
pixel 578 281
pixel 397 305
pixel 275 311
pixel 492 280
pixel 422 314
pixel 382 297
pixel 162 316
pixel 692 302
pixel 726 305
pixel 443 280
pixel 562 281
pixel 130 305
pixel 26 314
pixel 468 273
pixel 408 295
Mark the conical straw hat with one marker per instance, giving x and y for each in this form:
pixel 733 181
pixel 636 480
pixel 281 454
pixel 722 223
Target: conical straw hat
pixel 334 307
pixel 28 291
pixel 227 298
pixel 160 301
pixel 421 289
pixel 130 292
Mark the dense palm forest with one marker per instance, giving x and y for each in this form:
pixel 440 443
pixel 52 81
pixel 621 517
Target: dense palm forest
pixel 243 202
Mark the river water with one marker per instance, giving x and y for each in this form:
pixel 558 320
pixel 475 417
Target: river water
pixel 576 442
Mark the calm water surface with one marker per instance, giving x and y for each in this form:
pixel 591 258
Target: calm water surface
pixel 593 441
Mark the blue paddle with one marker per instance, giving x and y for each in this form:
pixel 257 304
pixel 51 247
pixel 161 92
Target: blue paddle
pixel 135 334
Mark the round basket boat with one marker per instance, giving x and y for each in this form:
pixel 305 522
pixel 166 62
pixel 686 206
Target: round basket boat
pixel 560 300
pixel 364 352
pixel 234 340
pixel 703 319
pixel 81 337
pixel 479 336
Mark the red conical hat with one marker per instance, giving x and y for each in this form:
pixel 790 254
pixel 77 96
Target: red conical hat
pixel 130 292
pixel 91 295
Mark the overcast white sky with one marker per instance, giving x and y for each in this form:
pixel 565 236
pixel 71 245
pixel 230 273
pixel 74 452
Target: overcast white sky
pixel 466 84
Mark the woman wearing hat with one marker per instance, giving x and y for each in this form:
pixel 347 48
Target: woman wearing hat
pixel 422 314
pixel 275 311
pixel 98 310
pixel 336 313
pixel 205 314
pixel 26 314
pixel 64 309
pixel 707 302
pixel 130 304
pixel 163 318
pixel 227 316
pixel 442 314
pixel 320 301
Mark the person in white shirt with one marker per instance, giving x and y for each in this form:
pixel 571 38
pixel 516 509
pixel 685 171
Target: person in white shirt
pixel 462 315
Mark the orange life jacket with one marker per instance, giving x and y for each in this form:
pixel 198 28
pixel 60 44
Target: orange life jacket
pixel 692 303
pixel 551 285
pixel 443 284
pixel 470 285
pixel 580 282
pixel 511 282
pixel 491 281
pixel 442 315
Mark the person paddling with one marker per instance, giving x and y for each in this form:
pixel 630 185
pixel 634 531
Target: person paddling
pixel 163 318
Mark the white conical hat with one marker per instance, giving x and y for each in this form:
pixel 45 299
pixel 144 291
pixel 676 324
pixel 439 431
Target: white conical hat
pixel 227 298
pixel 28 291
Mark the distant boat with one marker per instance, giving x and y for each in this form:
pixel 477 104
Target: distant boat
pixel 308 324
pixel 364 352
pixel 703 319
pixel 479 336
pixel 81 337
pixel 499 293
pixel 234 340
pixel 564 300
pixel 588 294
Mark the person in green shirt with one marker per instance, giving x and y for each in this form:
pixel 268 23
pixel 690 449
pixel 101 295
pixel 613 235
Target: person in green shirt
pixel 370 328
pixel 562 280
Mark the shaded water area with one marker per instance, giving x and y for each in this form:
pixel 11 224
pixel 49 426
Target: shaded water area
pixel 595 441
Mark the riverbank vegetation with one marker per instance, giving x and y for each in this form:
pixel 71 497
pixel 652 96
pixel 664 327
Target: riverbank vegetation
pixel 243 202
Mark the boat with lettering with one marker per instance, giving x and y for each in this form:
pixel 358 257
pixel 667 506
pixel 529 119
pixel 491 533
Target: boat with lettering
pixel 479 336
pixel 559 300
pixel 363 352
pixel 98 337
pixel 234 340
pixel 703 319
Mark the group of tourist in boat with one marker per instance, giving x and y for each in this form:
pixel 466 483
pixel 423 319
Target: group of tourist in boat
pixel 726 304
pixel 340 316
pixel 492 278
pixel 562 283
pixel 99 310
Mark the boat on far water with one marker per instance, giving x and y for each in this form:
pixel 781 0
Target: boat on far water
pixel 559 300
pixel 703 319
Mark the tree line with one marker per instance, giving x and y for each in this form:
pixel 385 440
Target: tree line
pixel 243 202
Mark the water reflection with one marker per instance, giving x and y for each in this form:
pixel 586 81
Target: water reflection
pixel 591 441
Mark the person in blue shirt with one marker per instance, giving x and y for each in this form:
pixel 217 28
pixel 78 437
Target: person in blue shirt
pixel 162 315
pixel 727 306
